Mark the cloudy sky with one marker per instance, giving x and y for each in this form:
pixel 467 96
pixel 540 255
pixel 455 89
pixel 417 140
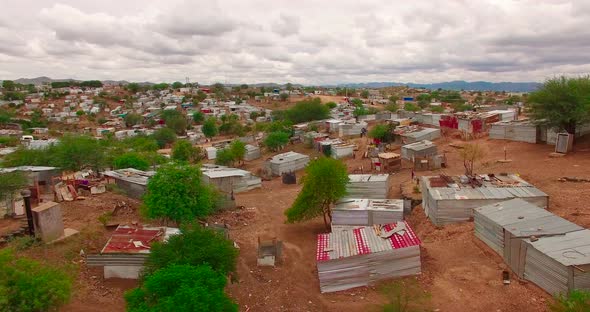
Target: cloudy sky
pixel 303 41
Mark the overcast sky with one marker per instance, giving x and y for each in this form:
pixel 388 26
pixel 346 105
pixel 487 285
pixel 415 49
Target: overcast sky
pixel 302 41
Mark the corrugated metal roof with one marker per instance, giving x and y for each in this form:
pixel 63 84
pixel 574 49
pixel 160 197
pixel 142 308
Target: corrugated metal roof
pixel 368 177
pixel 370 204
pixel 523 219
pixel 570 249
pixel 27 168
pixel 127 239
pixel 287 157
pixel 131 175
pixel 420 145
pixel 347 241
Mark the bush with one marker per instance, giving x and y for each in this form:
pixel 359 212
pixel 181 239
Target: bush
pixel 9 141
pixel 331 105
pixel 132 119
pixel 304 111
pixel 411 107
pixel 177 192
pixel 183 150
pixel 194 246
pixel 131 160
pixel 198 117
pixel 175 120
pixel 576 301
pixel 380 132
pixel 164 137
pixel 238 149
pixel 224 157
pixel 181 288
pixel 210 127
pixel 276 140
pixel 26 285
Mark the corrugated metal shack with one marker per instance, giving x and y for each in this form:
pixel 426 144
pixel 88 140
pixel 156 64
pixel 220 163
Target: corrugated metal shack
pixel 125 253
pixel 252 152
pixel 504 226
pixel 351 129
pixel 132 181
pixel 420 134
pixel 367 211
pixel 559 264
pixel 230 180
pixel 371 186
pixel 516 130
pixel 287 162
pixel 388 162
pixel 422 148
pixel 448 199
pixel 342 150
pixel 351 257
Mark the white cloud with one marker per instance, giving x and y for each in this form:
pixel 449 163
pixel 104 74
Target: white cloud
pixel 304 41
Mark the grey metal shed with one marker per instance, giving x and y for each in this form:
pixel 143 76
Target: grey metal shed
pixel 503 226
pixel 422 148
pixel 449 200
pixel 288 162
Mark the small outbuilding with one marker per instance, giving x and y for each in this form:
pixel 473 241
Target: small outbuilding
pixel 420 149
pixel 371 186
pixel 389 162
pixel 287 162
pixel 132 181
pixel 447 199
pixel 420 135
pixel 351 257
pixel 367 211
pixel 252 152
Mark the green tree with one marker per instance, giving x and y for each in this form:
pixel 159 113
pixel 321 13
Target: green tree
pixel 29 286
pixel 357 102
pixel 160 86
pixel 11 182
pixel 411 107
pixel 423 100
pixel 133 119
pixel 238 149
pixel 131 160
pixel 198 117
pixel 200 97
pixel 304 111
pixel 29 157
pixel 141 143
pixel 164 136
pixel 8 85
pixel 181 288
pixel 324 183
pixel 195 246
pixel 577 300
pixel 437 109
pixel 283 96
pixel 392 107
pixel 74 152
pixel 276 140
pixel 210 127
pixel 133 87
pixel 176 192
pixel 562 103
pixel 183 150
pixel 331 105
pixel 393 99
pixel 177 85
pixel 244 86
pixel 175 120
pixel 383 133
pixel 225 157
pixel 365 94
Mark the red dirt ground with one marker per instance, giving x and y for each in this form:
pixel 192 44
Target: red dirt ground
pixel 460 272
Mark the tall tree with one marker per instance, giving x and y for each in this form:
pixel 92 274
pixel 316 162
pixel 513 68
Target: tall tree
pixel 238 149
pixel 8 85
pixel 210 127
pixel 324 183
pixel 562 103
pixel 183 150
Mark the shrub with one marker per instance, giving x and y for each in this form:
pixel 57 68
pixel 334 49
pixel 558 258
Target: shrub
pixel 331 105
pixel 210 127
pixel 238 149
pixel 224 157
pixel 177 192
pixel 131 160
pixel 164 137
pixel 183 150
pixel 181 288
pixel 276 140
pixel 26 285
pixel 194 246
pixel 576 301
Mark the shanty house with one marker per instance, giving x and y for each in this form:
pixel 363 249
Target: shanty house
pixel 126 251
pixel 252 152
pixel 287 162
pixel 389 162
pixel 448 199
pixel 367 211
pixel 422 148
pixel 132 181
pixel 516 130
pixel 371 186
pixel 351 257
pixel 420 135
pixel 230 180
pixel 505 225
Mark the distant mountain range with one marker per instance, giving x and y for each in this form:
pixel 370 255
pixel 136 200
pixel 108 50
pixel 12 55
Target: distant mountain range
pixel 450 85
pixel 454 85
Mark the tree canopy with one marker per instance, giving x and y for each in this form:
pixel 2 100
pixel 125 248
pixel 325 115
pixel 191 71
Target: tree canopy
pixel 133 119
pixel 131 160
pixel 29 286
pixel 164 136
pixel 183 150
pixel 210 127
pixel 183 288
pixel 303 111
pixel 176 192
pixel 175 120
pixel 323 184
pixel 276 140
pixel 195 246
pixel 198 117
pixel 562 103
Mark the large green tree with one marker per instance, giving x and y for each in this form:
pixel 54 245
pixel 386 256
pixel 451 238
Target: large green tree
pixel 29 286
pixel 323 184
pixel 131 160
pixel 183 288
pixel 164 136
pixel 276 140
pixel 177 192
pixel 238 149
pixel 183 150
pixel 195 245
pixel 74 152
pixel 175 120
pixel 562 103
pixel 210 127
